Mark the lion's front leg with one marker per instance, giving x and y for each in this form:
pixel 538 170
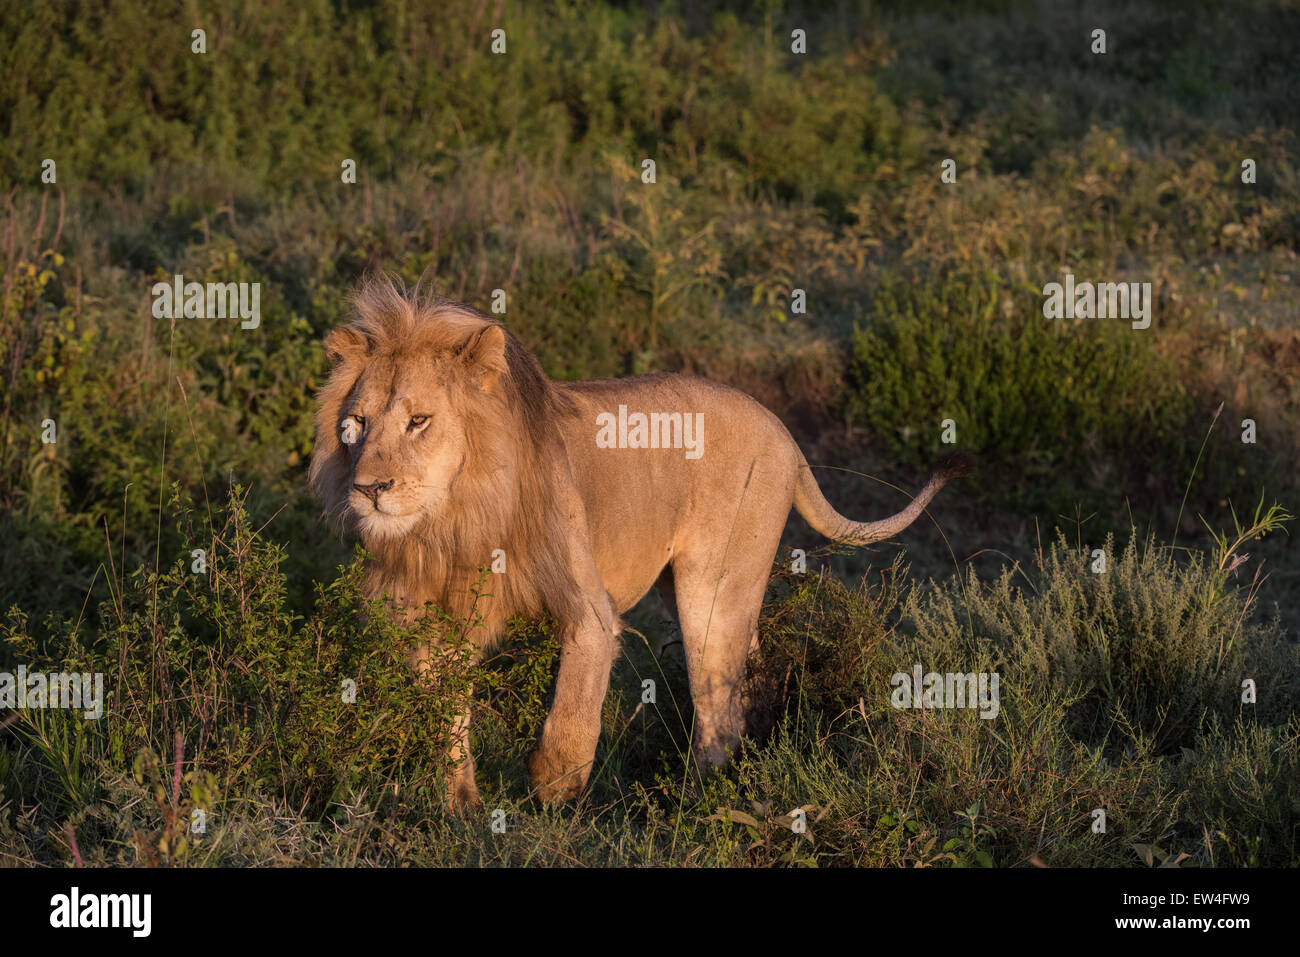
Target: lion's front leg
pixel 462 790
pixel 559 766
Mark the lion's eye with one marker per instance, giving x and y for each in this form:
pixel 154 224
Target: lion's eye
pixel 351 428
pixel 417 421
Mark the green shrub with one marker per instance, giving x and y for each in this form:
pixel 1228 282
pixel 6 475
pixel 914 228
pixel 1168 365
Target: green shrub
pixel 1151 641
pixel 775 172
pixel 1033 397
pixel 213 661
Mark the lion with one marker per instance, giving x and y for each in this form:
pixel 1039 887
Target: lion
pixel 440 440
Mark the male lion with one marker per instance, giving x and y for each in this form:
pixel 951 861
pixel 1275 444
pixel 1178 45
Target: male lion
pixel 439 440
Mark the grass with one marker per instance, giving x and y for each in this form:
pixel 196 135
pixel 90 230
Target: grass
pixel 775 172
pixel 1119 690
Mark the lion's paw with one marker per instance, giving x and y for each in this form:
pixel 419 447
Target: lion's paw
pixel 462 796
pixel 553 779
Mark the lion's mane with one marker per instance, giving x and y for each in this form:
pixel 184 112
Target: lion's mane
pixel 505 496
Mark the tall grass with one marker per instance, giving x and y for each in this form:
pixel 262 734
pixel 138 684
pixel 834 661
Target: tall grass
pixel 1120 690
pixel 775 172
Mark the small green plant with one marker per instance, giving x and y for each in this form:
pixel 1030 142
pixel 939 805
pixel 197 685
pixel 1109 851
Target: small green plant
pixel 678 253
pixel 965 850
pixel 1227 557
pixel 176 802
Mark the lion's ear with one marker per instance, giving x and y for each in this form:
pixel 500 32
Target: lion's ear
pixel 344 343
pixel 485 353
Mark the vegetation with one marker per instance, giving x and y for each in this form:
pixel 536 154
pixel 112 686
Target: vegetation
pixel 1120 689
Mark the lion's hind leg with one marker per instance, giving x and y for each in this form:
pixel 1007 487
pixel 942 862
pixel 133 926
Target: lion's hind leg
pixel 718 612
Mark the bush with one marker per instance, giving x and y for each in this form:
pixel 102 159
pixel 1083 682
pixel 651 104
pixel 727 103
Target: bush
pixel 209 668
pixel 1151 642
pixel 1118 690
pixel 1033 397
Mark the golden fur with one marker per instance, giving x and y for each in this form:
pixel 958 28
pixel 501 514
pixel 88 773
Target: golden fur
pixel 462 446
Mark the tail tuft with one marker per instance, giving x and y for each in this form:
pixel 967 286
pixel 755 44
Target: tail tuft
pixel 956 465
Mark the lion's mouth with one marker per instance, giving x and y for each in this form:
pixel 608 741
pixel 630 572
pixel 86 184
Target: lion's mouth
pixel 374 502
pixel 376 523
pixel 365 508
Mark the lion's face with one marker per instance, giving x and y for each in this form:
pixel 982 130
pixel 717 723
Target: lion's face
pixel 395 422
pixel 406 445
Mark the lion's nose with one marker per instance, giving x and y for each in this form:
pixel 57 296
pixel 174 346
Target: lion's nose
pixel 373 490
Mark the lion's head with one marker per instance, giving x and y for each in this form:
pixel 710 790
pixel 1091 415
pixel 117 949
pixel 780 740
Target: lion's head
pixel 436 444
pixel 394 424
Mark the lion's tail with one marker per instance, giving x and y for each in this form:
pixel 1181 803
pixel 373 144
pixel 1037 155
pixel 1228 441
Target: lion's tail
pixel 818 513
